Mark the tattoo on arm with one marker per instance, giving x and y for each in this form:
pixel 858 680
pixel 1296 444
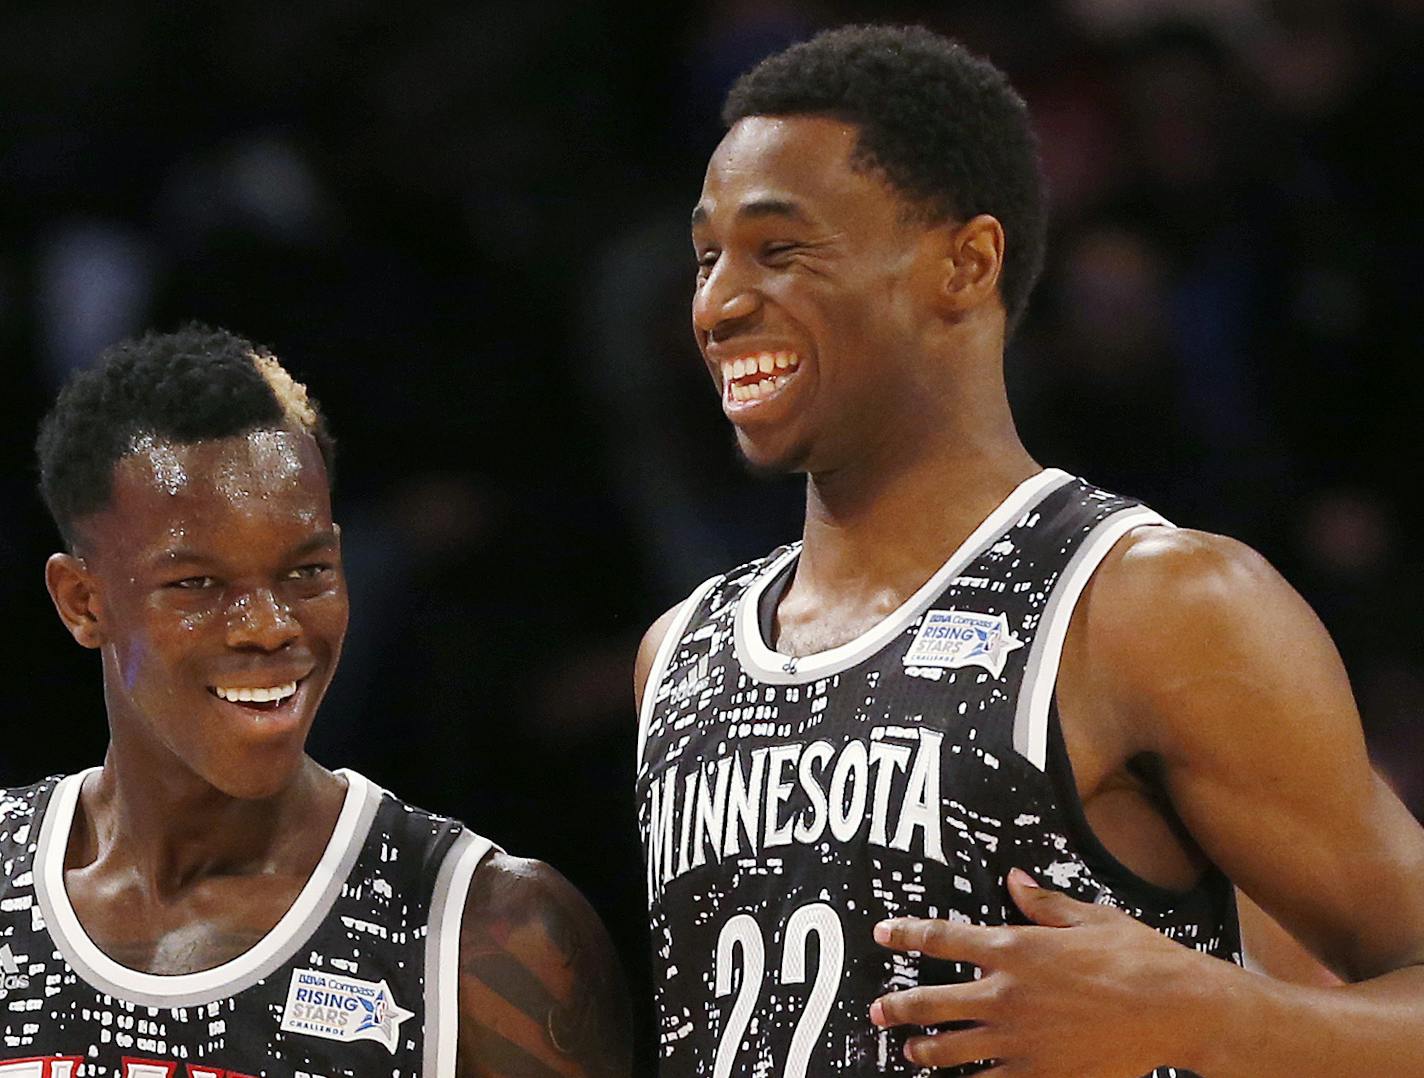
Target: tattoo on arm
pixel 541 991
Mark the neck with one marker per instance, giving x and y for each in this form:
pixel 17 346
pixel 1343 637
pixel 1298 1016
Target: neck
pixel 168 828
pixel 879 528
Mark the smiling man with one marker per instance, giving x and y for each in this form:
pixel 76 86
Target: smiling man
pixel 210 901
pixel 964 778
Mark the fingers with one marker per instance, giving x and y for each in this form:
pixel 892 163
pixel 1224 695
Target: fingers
pixel 931 1005
pixel 979 943
pixel 941 939
pixel 953 1048
pixel 1052 909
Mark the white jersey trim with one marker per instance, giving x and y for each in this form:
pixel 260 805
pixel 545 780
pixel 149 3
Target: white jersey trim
pixel 770 666
pixel 442 953
pixel 1041 670
pixel 664 657
pixel 312 904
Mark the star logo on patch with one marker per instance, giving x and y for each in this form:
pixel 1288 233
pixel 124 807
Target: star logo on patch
pixel 382 1018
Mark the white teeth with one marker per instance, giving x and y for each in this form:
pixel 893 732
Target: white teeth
pixel 257 696
pixel 770 363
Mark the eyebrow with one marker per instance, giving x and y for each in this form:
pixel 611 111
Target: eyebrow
pixel 322 540
pixel 759 208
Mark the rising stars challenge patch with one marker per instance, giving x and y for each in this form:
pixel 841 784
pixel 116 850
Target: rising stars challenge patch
pixel 956 638
pixel 342 1009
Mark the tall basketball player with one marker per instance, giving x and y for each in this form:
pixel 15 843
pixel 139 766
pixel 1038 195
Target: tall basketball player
pixel 967 773
pixel 210 902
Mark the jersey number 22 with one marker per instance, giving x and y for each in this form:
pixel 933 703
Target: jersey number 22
pixel 743 933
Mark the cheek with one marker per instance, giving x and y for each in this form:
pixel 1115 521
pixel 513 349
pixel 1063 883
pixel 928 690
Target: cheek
pixel 154 648
pixel 324 617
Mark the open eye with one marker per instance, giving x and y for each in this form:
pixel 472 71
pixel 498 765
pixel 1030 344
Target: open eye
pixel 193 583
pixel 312 571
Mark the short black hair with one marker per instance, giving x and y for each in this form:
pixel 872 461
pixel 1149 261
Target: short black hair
pixel 942 125
pixel 183 387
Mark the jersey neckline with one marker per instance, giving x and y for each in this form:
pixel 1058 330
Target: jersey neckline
pixel 282 941
pixel 768 665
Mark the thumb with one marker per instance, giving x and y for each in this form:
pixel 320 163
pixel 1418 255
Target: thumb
pixel 1052 909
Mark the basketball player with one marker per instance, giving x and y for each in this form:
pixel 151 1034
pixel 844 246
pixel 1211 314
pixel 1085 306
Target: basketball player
pixel 967 773
pixel 211 902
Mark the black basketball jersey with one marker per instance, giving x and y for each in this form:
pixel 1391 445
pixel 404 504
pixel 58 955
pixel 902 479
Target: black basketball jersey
pixel 788 804
pixel 357 978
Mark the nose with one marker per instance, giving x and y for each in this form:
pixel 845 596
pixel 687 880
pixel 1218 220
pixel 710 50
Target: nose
pixel 258 620
pixel 724 300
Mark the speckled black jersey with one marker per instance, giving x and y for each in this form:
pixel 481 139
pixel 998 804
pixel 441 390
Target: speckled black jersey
pixel 788 804
pixel 357 978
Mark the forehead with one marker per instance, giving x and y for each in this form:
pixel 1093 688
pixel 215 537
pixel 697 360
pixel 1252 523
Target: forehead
pixel 805 161
pixel 162 488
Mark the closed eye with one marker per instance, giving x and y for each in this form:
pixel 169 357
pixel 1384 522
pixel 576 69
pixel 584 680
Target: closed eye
pixel 778 253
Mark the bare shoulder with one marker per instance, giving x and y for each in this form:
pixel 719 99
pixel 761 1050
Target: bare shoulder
pixel 648 652
pixel 1214 664
pixel 1191 571
pixel 1176 619
pixel 1192 594
pixel 541 989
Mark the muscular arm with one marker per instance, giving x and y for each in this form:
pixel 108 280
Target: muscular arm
pixel 1222 671
pixel 541 991
pixel 1192 650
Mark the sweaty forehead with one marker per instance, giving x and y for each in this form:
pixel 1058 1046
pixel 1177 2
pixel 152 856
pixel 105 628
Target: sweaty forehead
pixel 256 464
pixel 268 471
pixel 806 160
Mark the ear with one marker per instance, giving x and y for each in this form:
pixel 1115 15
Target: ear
pixel 75 597
pixel 973 260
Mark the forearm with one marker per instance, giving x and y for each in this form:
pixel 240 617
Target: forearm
pixel 1254 1027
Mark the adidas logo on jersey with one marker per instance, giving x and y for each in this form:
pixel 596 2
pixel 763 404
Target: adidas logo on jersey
pixel 10 976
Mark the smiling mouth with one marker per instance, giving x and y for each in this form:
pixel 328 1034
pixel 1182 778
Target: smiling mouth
pixel 268 698
pixel 749 378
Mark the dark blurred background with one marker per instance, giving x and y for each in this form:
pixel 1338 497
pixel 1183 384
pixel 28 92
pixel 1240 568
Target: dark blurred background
pixel 465 225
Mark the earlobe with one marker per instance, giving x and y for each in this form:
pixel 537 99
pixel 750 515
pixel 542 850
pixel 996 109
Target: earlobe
pixel 71 589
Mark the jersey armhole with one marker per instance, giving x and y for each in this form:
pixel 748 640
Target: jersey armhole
pixel 442 953
pixel 1031 717
pixel 664 656
pixel 1038 734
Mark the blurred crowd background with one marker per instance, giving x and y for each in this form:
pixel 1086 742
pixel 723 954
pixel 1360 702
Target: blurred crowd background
pixel 465 225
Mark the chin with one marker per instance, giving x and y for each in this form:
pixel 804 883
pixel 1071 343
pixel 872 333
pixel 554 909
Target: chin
pixel 770 462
